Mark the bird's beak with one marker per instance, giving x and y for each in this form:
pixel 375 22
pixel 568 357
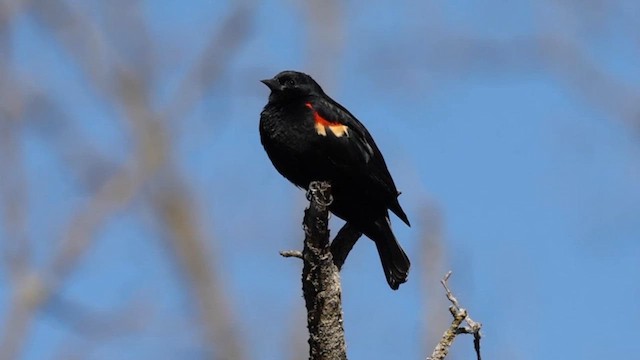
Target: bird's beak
pixel 272 84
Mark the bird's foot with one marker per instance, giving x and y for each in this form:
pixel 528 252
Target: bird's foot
pixel 320 191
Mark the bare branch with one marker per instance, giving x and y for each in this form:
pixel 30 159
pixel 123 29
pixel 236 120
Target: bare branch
pixel 291 253
pixel 321 281
pixel 459 315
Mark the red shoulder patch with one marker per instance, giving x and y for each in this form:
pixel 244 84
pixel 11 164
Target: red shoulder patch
pixel 323 124
pixel 319 119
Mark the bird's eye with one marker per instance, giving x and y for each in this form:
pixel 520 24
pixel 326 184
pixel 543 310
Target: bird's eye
pixel 287 81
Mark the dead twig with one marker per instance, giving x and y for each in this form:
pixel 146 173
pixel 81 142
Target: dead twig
pixel 291 253
pixel 460 315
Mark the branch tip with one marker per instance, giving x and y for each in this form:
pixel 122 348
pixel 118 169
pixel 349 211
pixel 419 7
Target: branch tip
pixel 291 253
pixel 459 315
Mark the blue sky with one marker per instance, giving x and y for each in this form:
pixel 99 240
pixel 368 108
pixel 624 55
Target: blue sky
pixel 534 169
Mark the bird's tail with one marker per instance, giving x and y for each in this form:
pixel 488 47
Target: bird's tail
pixel 395 262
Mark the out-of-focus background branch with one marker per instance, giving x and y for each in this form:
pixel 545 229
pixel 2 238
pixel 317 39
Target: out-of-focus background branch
pixel 140 216
pixel 121 73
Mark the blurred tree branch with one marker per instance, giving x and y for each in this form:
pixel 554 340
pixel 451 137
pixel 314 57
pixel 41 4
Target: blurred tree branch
pixel 124 82
pixel 326 36
pixel 556 49
pixel 13 192
pixel 217 54
pixel 36 288
pixel 432 264
pixel 194 256
pixel 561 55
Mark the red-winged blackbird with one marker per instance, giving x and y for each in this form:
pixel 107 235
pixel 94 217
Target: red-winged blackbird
pixel 310 137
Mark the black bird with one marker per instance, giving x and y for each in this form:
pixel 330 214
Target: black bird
pixel 310 137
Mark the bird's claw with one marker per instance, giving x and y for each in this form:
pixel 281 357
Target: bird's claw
pixel 318 191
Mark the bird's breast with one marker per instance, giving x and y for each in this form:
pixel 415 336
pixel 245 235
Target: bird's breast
pixel 288 128
pixel 293 144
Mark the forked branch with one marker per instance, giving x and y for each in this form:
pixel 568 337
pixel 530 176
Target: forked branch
pixel 460 315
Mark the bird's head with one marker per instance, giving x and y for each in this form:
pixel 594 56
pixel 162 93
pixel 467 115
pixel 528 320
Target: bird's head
pixel 289 85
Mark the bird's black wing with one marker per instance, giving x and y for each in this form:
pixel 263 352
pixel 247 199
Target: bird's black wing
pixel 355 151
